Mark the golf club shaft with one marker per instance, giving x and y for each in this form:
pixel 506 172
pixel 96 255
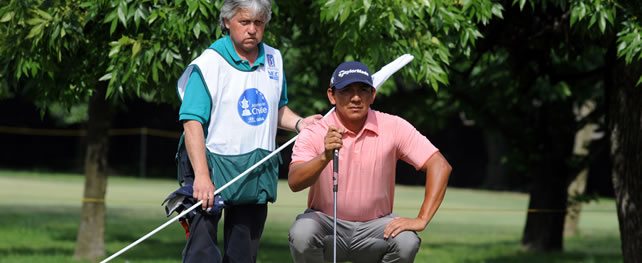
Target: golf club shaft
pixel 335 179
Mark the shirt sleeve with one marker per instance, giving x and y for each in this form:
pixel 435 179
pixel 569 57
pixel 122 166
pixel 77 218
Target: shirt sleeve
pixel 412 147
pixel 197 104
pixel 308 145
pixel 283 100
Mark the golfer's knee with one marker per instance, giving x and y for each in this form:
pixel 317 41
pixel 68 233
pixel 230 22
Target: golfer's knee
pixel 304 235
pixel 406 245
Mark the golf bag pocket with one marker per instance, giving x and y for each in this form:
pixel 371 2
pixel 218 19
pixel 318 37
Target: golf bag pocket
pixel 257 187
pixel 185 171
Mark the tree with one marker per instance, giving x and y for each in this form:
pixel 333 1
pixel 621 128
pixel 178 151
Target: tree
pixel 624 89
pixel 593 54
pixel 625 126
pixel 621 28
pixel 522 84
pixel 98 52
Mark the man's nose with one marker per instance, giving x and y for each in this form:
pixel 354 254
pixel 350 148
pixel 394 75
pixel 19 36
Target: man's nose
pixel 355 96
pixel 251 29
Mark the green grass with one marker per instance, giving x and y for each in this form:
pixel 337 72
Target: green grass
pixel 39 215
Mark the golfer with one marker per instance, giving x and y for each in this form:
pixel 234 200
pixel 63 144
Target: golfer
pixel 234 95
pixel 370 143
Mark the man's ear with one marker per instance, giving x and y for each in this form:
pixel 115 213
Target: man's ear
pixel 226 22
pixel 374 94
pixel 331 97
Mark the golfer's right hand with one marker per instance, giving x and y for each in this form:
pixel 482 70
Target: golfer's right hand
pixel 332 141
pixel 204 190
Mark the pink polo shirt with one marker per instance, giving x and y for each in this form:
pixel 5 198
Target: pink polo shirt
pixel 367 164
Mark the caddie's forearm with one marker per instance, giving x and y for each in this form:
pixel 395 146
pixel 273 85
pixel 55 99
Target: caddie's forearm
pixel 304 174
pixel 195 145
pixel 287 119
pixel 437 173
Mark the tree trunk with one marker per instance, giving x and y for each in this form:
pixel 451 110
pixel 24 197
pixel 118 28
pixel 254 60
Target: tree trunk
pixel 546 207
pixel 496 177
pixel 577 187
pixel 548 196
pixel 90 241
pixel 625 126
pixel 574 208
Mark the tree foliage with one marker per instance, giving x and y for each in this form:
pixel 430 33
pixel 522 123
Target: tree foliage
pixel 432 31
pixel 623 18
pixel 138 47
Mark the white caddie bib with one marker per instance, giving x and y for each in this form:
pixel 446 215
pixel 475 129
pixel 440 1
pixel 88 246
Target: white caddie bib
pixel 244 103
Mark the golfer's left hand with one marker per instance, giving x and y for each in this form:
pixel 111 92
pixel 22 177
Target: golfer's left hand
pixel 400 224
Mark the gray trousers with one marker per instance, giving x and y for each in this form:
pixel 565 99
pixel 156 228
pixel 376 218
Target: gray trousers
pixel 311 240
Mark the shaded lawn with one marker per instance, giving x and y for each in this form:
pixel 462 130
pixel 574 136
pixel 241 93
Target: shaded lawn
pixel 40 214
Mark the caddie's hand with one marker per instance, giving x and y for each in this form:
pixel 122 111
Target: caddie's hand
pixel 204 190
pixel 332 141
pixel 400 224
pixel 309 121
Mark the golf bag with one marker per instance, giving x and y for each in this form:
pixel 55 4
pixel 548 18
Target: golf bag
pixel 201 247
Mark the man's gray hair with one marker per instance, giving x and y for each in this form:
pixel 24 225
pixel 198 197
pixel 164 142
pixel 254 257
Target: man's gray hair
pixel 256 7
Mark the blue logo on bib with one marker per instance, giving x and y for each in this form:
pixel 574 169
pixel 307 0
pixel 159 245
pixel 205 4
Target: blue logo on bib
pixel 252 107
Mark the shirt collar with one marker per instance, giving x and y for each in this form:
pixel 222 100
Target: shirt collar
pixel 229 48
pixel 370 125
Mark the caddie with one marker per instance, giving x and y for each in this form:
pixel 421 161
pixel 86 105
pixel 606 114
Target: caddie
pixel 234 96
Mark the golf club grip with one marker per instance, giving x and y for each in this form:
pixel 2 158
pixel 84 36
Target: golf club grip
pixel 335 161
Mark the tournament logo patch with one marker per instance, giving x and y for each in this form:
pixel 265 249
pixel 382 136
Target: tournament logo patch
pixel 270 60
pixel 253 107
